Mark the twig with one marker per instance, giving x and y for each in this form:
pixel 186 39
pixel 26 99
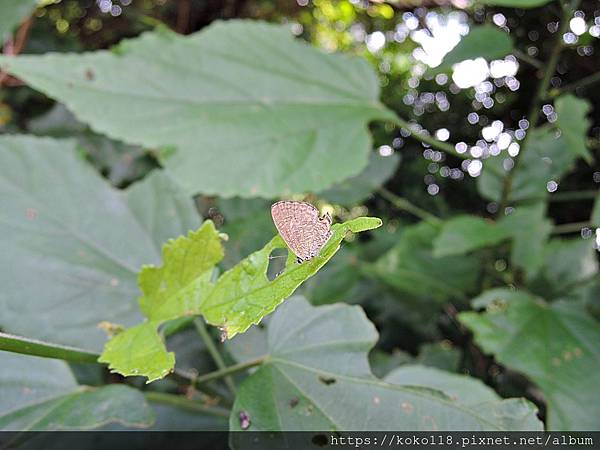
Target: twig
pixel 202 379
pixel 584 82
pixel 405 205
pixel 439 145
pixel 574 227
pixel 183 403
pixel 214 352
pixel 534 111
pixel 528 59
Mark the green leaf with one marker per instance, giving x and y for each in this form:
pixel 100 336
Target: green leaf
pixel 566 262
pixel 175 288
pixel 243 295
pixel 465 390
pixel 544 160
pixel 38 394
pixel 440 355
pixel 12 13
pixel 83 240
pixel 317 377
pixel 515 3
pixel 571 118
pixel 486 41
pixel 247 109
pixel 240 297
pixel 122 163
pixel 358 188
pixel 465 233
pixel 139 351
pixel 555 345
pixel 530 230
pixel 410 267
pixel 595 218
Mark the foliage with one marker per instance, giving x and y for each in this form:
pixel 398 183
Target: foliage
pixel 141 149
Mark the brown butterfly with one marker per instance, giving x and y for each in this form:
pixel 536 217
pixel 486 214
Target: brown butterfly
pixel 300 226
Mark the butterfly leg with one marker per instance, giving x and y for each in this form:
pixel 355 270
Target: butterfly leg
pixel 299 260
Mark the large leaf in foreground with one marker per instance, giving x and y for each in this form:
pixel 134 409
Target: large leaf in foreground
pixel 317 377
pixel 243 295
pixel 38 394
pixel 247 109
pixel 72 245
pixel 464 389
pixel 556 345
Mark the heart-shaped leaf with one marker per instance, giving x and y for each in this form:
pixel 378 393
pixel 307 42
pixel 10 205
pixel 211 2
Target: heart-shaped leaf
pixel 244 108
pixel 317 377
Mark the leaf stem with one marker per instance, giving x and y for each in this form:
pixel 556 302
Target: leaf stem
pixel 426 139
pixel 183 403
pixel 577 284
pixel 221 373
pixel 405 205
pixel 439 145
pixel 541 93
pixel 566 228
pixel 528 59
pixel 583 82
pixel 214 352
pixel 27 346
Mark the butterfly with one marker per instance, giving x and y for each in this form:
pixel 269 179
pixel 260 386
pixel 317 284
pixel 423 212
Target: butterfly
pixel 300 226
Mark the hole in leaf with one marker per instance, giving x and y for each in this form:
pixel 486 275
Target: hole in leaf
pixel 326 380
pixel 277 260
pixel 294 402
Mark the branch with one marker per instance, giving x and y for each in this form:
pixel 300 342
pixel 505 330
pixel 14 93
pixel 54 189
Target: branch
pixel 439 145
pixel 26 346
pixel 403 204
pixel 214 352
pixel 584 82
pixel 574 227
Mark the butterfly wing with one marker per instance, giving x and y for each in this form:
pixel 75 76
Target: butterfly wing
pixel 299 225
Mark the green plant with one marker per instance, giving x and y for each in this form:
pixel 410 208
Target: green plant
pixel 222 121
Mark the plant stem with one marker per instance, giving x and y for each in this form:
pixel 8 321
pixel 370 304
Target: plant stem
pixel 534 111
pixel 405 205
pixel 584 82
pixel 433 142
pixel 183 403
pixel 570 227
pixel 214 352
pixel 202 379
pixel 528 59
pixel 26 346
pixel 439 145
